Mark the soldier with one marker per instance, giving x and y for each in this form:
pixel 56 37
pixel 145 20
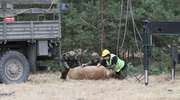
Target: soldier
pixel 69 60
pixel 95 59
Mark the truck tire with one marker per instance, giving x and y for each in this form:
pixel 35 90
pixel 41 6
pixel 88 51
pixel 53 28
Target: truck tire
pixel 14 68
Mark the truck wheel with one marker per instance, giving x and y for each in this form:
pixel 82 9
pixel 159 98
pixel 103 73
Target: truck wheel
pixel 14 68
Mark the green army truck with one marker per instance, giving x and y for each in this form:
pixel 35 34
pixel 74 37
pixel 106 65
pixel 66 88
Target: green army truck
pixel 25 41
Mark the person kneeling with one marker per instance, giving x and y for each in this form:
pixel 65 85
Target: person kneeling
pixel 113 62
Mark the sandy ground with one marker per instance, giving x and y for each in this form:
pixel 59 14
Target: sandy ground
pixel 48 86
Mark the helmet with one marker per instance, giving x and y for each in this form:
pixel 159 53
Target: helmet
pixel 95 55
pixel 105 52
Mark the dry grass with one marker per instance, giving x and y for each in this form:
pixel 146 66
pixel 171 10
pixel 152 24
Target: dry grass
pixel 50 87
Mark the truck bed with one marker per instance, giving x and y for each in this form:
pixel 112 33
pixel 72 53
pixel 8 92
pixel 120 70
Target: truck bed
pixel 29 30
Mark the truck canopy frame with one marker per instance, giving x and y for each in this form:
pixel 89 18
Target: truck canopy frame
pixel 29 1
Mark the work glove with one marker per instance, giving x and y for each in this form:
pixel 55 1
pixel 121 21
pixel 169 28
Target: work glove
pixel 84 65
pixel 66 65
pixel 98 65
pixel 111 67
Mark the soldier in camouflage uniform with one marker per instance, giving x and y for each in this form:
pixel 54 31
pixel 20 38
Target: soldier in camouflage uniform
pixel 69 60
pixel 95 59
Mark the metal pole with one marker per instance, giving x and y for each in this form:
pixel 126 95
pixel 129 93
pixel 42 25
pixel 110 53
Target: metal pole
pixel 60 35
pixel 4 8
pixel 146 41
pixel 173 73
pixel 173 61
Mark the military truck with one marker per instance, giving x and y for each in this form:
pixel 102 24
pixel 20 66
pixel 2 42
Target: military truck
pixel 25 41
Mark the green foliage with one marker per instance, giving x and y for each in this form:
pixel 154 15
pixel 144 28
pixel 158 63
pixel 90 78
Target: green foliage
pixel 81 26
pixel 160 61
pixel 134 70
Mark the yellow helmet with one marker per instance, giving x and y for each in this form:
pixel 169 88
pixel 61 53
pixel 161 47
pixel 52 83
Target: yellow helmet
pixel 105 52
